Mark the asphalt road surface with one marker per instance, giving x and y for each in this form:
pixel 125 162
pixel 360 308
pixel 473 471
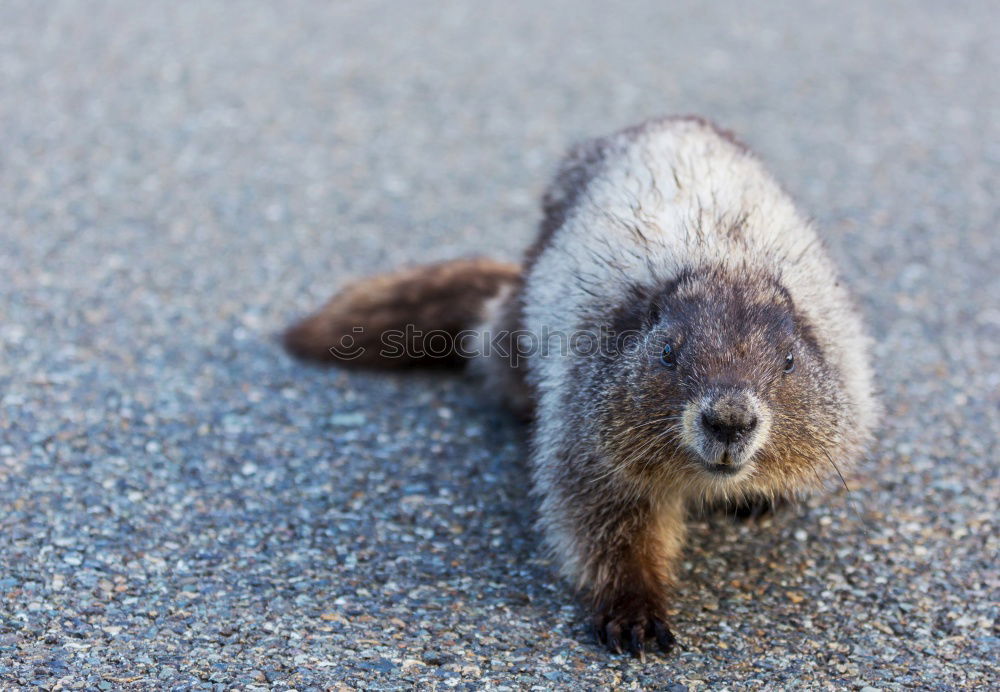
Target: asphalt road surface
pixel 182 505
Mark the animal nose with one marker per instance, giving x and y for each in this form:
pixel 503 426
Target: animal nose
pixel 728 426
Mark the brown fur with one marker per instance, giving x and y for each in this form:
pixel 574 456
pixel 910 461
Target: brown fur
pixel 629 606
pixel 446 297
pixel 755 322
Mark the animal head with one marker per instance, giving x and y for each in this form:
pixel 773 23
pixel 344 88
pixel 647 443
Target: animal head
pixel 720 383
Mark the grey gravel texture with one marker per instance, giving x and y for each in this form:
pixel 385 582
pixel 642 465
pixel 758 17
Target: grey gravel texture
pixel 182 505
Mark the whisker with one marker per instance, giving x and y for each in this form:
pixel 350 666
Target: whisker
pixel 843 480
pixel 658 421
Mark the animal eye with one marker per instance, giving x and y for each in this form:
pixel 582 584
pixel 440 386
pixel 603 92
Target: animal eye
pixel 789 362
pixel 668 357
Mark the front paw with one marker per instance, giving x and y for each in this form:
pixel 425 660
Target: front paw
pixel 626 621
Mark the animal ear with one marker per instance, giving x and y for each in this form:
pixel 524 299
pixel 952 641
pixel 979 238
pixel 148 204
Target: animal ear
pixel 634 312
pixel 788 323
pixel 654 311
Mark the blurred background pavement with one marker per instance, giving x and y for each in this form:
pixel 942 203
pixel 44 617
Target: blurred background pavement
pixel 181 505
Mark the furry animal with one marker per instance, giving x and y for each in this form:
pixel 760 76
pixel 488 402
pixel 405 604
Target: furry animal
pixel 723 360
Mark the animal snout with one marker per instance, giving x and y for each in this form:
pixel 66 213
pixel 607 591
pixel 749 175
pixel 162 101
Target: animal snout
pixel 725 428
pixel 729 420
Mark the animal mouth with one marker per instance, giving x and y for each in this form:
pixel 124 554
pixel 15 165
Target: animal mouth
pixel 727 464
pixel 724 469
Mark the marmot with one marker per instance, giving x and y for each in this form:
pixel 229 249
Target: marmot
pixel 722 358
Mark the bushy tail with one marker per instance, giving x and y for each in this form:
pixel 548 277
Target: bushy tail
pixel 406 318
